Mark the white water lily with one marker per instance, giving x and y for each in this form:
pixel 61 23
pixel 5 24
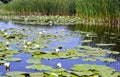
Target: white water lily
pixel 7 48
pixel 7 43
pixel 25 46
pixel 24 41
pixel 6 33
pixel 57 50
pixel 37 46
pixel 59 65
pixel 87 35
pixel 50 22
pixel 7 66
pixel 40 33
pixel 28 43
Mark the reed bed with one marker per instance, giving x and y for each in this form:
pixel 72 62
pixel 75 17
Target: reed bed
pixel 82 8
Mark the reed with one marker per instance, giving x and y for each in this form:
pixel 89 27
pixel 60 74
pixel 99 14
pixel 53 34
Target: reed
pixel 82 8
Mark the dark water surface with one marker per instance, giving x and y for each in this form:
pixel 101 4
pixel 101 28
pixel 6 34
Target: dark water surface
pixel 106 34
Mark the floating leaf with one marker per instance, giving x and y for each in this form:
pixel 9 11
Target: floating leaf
pixel 107 59
pixel 37 74
pixel 53 75
pixel 2 61
pixel 12 59
pixel 83 73
pixel 16 74
pixel 113 52
pixel 34 61
pixel 105 44
pixel 39 67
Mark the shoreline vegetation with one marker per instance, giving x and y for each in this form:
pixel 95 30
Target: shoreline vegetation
pixel 54 20
pixel 61 12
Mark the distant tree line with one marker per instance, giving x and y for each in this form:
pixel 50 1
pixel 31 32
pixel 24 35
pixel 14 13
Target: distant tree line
pixel 85 8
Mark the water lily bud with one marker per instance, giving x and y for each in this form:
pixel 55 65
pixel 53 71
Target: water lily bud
pixel 7 66
pixel 59 65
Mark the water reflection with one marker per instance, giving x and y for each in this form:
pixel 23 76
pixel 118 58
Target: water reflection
pixel 105 33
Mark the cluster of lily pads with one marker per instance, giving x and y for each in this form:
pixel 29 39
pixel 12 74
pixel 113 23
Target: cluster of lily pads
pixel 49 20
pixel 32 41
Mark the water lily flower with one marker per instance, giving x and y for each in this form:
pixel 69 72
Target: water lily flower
pixel 24 41
pixel 7 43
pixel 87 35
pixel 25 46
pixel 28 43
pixel 7 48
pixel 6 33
pixel 40 33
pixel 50 22
pixel 7 66
pixel 37 46
pixel 59 65
pixel 58 49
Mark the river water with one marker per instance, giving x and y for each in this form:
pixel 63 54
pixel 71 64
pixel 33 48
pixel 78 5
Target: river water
pixel 105 34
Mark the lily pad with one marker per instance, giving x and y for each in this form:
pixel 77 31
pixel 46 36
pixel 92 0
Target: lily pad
pixel 96 68
pixel 2 61
pixel 53 75
pixel 105 44
pixel 34 61
pixel 113 52
pixel 12 59
pixel 107 59
pixel 37 74
pixel 83 73
pixel 16 74
pixel 39 67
